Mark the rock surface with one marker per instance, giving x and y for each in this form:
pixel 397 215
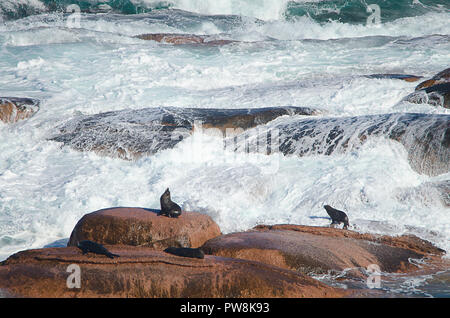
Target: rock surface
pixel 130 134
pixel 310 249
pixel 426 137
pixel 405 77
pixel 435 91
pixel 177 39
pixel 143 227
pixel 144 272
pixel 436 95
pixel 439 78
pixel 13 109
pixel 427 192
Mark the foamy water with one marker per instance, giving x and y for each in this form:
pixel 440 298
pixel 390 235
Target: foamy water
pixel 45 188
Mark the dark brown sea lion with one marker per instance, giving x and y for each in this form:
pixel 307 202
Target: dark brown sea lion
pixel 89 246
pixel 337 216
pixel 169 208
pixel 185 252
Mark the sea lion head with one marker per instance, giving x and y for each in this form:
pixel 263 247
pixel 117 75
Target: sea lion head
pixel 166 193
pixel 165 197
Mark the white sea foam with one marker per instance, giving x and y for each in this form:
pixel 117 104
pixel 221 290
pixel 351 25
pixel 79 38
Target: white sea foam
pixel 99 67
pixel 261 9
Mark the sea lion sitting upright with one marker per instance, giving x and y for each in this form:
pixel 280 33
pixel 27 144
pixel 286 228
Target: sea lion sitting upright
pixel 89 246
pixel 169 208
pixel 337 217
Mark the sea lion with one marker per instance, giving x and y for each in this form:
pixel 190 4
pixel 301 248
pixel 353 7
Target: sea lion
pixel 337 217
pixel 185 252
pixel 89 246
pixel 169 208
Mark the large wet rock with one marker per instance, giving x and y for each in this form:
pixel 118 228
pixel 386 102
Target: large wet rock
pixel 143 272
pixel 176 38
pixel 435 91
pixel 130 134
pixel 425 137
pixel 436 95
pixel 13 109
pixel 144 227
pixel 319 249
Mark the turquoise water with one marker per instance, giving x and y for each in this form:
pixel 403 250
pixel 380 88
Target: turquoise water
pixel 347 11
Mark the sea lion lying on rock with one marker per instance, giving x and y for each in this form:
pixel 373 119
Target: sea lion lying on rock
pixel 337 216
pixel 186 252
pixel 168 207
pixel 89 246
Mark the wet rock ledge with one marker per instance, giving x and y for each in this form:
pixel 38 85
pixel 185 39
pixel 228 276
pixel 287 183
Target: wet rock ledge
pixel 316 250
pixel 131 134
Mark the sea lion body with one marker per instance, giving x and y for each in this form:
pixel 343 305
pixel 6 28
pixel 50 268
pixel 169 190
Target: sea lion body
pixel 337 216
pixel 168 207
pixel 92 247
pixel 186 252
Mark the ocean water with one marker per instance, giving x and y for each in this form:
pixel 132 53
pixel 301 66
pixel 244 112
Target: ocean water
pixel 299 53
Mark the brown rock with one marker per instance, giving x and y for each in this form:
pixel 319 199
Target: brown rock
pixel 405 77
pixel 13 109
pixel 435 91
pixel 143 227
pixel 318 249
pixel 439 78
pixel 144 272
pixel 174 38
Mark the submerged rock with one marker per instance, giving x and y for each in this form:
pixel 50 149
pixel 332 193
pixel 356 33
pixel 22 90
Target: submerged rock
pixel 176 38
pixel 130 134
pixel 320 249
pixel 13 109
pixel 405 77
pixel 143 227
pixel 426 137
pixel 144 272
pixel 427 193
